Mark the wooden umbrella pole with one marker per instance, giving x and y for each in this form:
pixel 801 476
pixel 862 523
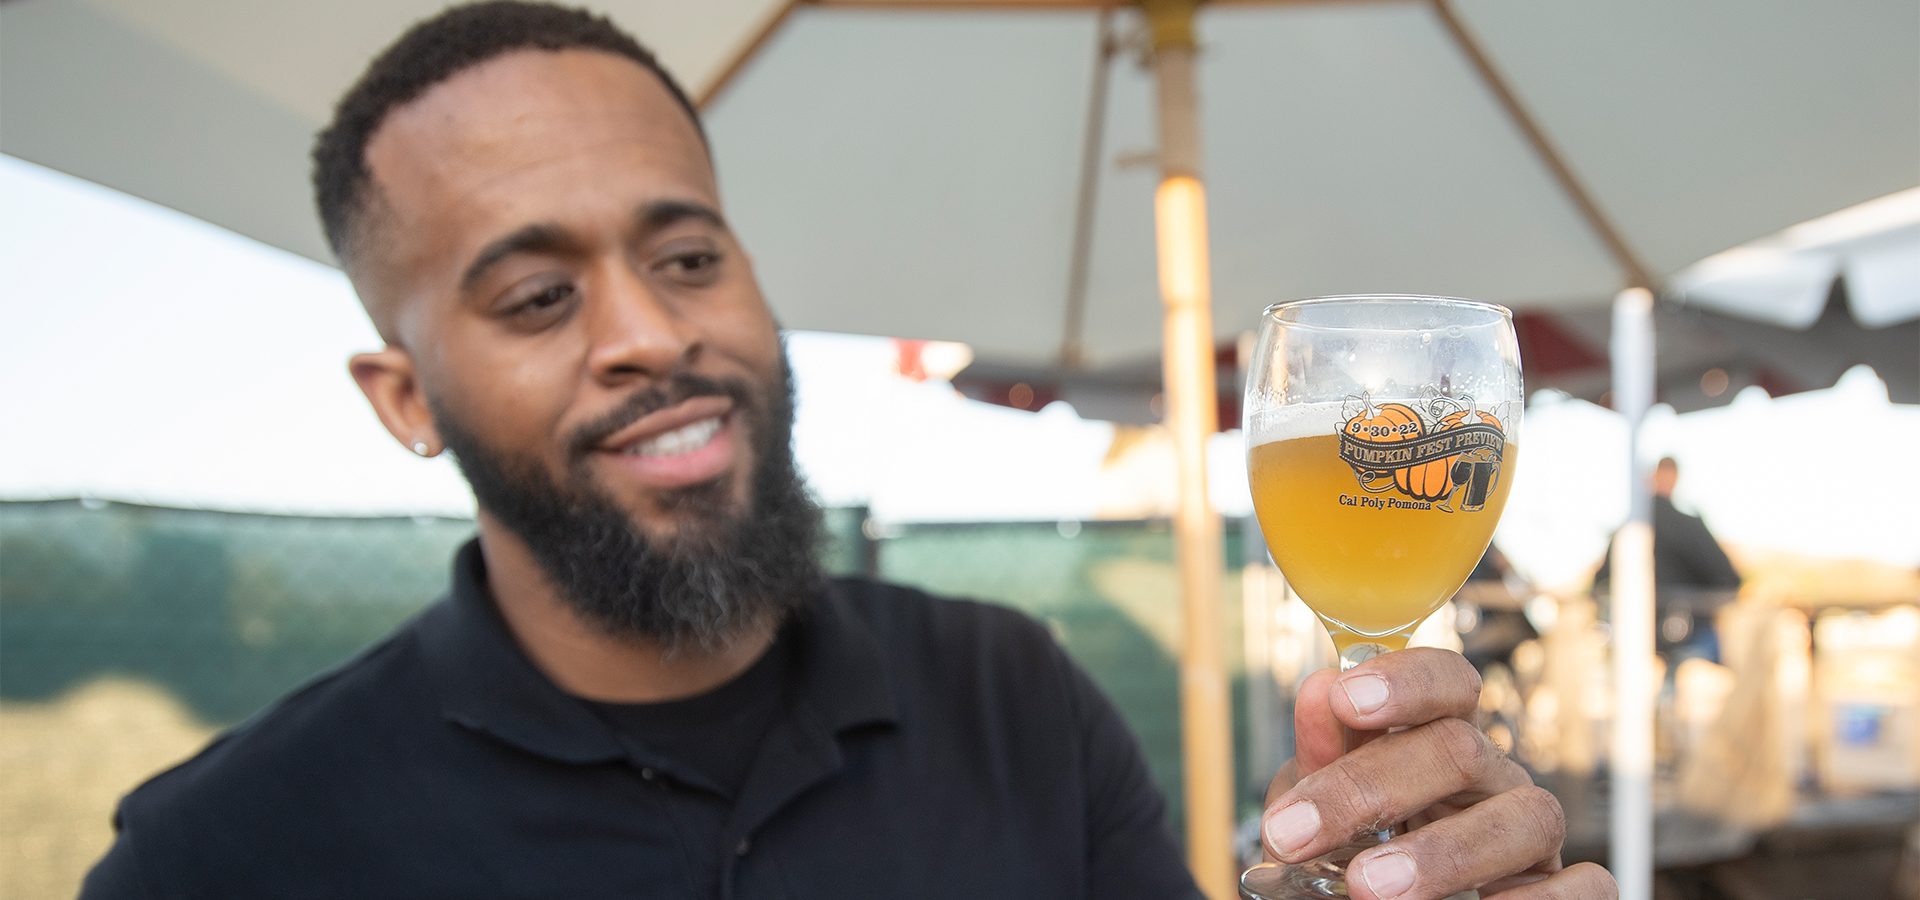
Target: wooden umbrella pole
pixel 1180 215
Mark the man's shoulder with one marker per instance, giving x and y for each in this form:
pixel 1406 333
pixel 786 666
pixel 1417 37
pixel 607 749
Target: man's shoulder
pixel 937 646
pixel 303 741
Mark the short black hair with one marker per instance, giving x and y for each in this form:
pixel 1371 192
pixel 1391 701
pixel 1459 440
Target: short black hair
pixel 431 52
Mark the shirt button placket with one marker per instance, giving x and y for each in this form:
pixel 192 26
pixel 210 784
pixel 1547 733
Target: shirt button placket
pixel 729 872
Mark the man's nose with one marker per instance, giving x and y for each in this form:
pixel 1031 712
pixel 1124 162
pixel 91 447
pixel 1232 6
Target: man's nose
pixel 633 332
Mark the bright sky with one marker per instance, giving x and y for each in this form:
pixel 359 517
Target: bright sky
pixel 151 357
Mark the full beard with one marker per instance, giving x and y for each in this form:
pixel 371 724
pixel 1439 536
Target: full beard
pixel 728 571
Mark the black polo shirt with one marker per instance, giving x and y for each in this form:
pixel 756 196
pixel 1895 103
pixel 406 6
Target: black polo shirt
pixel 924 748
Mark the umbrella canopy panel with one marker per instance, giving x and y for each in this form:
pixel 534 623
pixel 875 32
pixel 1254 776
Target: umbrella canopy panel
pixel 210 106
pixel 928 157
pixel 912 172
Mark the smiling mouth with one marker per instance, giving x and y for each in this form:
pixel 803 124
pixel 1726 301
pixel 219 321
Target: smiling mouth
pixel 678 442
pixel 676 446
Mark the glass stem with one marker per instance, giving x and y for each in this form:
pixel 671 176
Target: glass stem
pixel 1351 656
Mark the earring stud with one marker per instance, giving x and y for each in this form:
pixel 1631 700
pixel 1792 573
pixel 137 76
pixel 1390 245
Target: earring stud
pixel 420 447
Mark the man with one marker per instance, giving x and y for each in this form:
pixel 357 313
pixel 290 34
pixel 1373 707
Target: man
pixel 639 684
pixel 1685 554
pixel 1692 575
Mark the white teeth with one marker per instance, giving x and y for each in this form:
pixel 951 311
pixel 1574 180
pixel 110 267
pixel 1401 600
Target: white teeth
pixel 685 439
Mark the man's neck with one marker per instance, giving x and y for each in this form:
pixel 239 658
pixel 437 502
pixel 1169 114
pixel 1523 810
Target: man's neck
pixel 585 661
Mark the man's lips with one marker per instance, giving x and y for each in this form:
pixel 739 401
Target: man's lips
pixel 662 451
pixel 661 421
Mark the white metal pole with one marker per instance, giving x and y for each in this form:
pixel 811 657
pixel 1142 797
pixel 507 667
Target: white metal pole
pixel 1630 759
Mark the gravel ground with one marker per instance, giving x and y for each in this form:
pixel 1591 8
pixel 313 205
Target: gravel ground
pixel 63 766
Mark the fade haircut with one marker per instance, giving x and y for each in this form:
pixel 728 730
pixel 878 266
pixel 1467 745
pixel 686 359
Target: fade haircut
pixel 431 52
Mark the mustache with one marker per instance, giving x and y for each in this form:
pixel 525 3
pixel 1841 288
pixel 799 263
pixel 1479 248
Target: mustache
pixel 677 388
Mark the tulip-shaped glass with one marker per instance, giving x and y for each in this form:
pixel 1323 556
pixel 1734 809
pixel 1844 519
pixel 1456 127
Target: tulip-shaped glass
pixel 1381 439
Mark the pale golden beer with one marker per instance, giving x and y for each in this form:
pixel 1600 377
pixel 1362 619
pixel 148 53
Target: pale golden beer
pixel 1370 564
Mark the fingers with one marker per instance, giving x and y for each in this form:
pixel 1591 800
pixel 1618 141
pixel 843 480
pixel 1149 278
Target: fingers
pixel 1385 782
pixel 1516 831
pixel 1583 881
pixel 1282 782
pixel 1316 733
pixel 1410 687
pixel 1393 690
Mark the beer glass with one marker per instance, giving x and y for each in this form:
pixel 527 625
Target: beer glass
pixel 1381 439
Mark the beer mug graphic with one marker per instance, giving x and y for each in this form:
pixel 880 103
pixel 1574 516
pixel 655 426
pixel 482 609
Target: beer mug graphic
pixel 1477 471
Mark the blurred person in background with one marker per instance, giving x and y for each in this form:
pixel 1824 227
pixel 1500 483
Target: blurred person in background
pixel 639 682
pixel 1692 575
pixel 1685 553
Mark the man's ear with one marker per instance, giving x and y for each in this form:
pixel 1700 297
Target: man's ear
pixel 392 385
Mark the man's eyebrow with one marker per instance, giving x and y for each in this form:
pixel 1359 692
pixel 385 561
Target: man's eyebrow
pixel 655 216
pixel 544 237
pixel 531 239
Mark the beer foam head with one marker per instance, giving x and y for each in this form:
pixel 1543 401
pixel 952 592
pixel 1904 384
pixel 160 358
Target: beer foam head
pixel 1294 421
pixel 1264 426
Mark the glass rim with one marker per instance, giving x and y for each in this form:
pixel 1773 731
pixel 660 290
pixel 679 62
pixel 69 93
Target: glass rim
pixel 1430 299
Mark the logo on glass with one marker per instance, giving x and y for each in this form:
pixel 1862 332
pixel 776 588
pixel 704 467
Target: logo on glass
pixel 1448 457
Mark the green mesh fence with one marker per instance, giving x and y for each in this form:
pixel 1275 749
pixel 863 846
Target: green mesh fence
pixel 1108 590
pixel 227 611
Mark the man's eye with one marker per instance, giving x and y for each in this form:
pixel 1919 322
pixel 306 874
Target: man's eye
pixel 697 262
pixel 547 298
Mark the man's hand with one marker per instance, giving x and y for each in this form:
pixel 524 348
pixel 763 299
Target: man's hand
pixel 1476 819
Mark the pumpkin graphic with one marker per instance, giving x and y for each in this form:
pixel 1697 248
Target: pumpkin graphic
pixel 1429 480
pixel 1391 423
pixel 1469 417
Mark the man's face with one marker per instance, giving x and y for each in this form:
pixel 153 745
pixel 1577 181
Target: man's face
pixel 548 248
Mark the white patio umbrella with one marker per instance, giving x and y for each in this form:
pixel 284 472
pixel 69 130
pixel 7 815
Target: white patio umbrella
pixel 907 170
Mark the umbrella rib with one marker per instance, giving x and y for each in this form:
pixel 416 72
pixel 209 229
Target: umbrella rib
pixel 1072 351
pixel 1589 209
pixel 746 51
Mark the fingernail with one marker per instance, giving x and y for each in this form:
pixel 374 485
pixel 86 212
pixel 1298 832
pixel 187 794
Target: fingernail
pixel 1389 874
pixel 1292 828
pixel 1366 692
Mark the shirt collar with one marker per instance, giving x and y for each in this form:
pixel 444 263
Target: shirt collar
pixel 484 682
pixel 843 676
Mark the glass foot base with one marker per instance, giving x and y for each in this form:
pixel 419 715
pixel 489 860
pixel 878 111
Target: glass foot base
pixel 1321 878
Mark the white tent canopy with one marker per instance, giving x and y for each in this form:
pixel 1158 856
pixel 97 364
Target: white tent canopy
pixel 1785 278
pixel 912 173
